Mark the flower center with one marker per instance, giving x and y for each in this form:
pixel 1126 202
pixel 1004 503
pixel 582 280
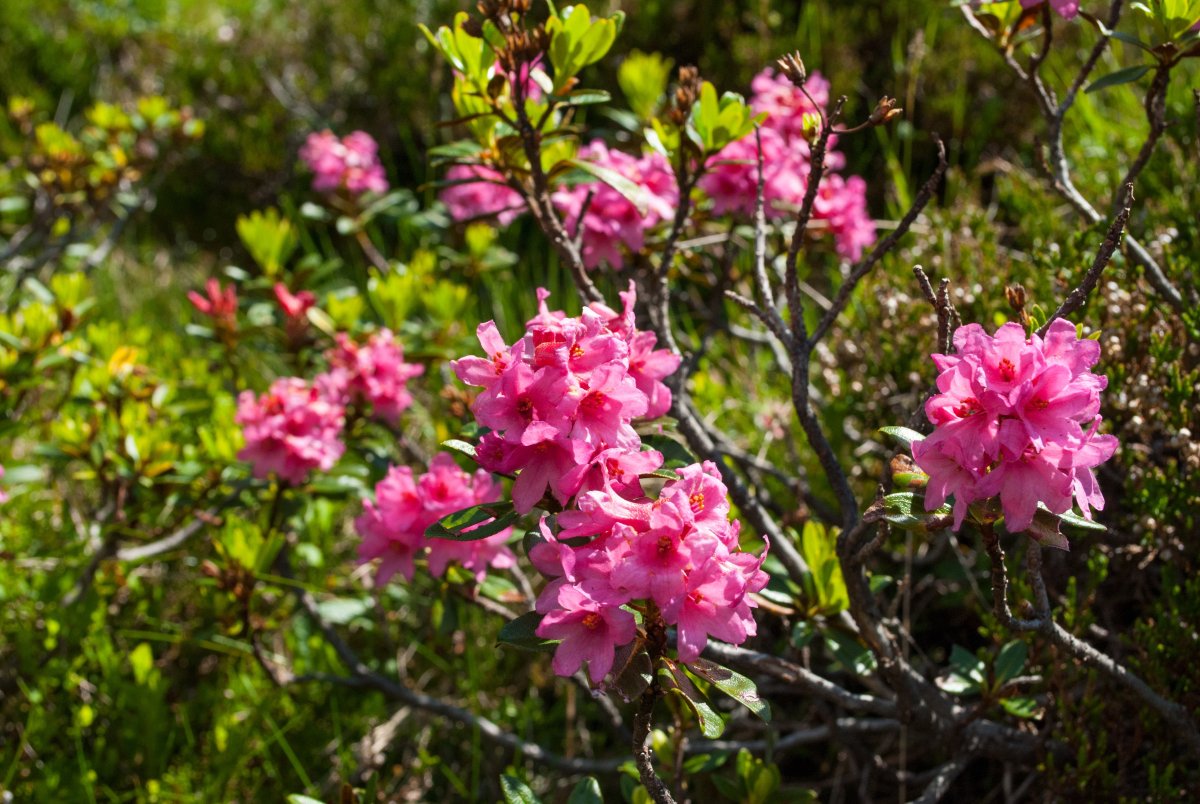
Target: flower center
pixel 697 502
pixel 1040 404
pixel 591 621
pixel 969 407
pixel 1008 371
pixel 593 402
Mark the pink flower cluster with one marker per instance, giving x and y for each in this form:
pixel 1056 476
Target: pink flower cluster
pixel 296 426
pixel 679 552
pixel 1067 9
pixel 350 163
pixel 393 526
pixel 610 220
pixel 373 373
pixel 480 192
pixel 1016 417
pixel 732 177
pixel 560 400
pixel 290 430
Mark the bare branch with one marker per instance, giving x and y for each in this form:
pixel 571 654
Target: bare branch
pixel 1078 296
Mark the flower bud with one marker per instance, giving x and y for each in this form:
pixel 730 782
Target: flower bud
pixel 885 111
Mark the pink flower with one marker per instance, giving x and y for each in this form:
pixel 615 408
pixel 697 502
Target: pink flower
pixel 590 629
pixel 480 192
pixel 294 306
pixel 842 203
pixel 393 526
pixel 785 104
pixel 680 551
pixel 563 396
pixel 731 180
pixel 611 220
pixel 1016 418
pixel 220 304
pixel 372 373
pixel 290 430
pixel 1067 9
pixel 350 164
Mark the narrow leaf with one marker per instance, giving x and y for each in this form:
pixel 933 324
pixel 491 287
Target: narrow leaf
pixel 1125 76
pixel 733 684
pixel 471 524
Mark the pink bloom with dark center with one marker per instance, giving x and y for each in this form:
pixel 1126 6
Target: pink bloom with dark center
pixel 290 430
pixel 590 627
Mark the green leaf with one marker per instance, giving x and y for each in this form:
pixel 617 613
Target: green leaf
pixel 296 798
pixel 517 792
pixel 1020 707
pixel 455 526
pixel 673 679
pixel 583 97
pixel 733 684
pixel 850 654
pixel 1125 76
pixel 632 191
pixel 522 633
pixel 906 509
pixel 586 792
pixel 643 78
pixel 460 446
pixel 675 454
pixel 341 610
pixel 1010 661
pixel 903 434
pixel 1075 520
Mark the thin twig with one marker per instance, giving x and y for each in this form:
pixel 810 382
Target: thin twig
pixel 1112 240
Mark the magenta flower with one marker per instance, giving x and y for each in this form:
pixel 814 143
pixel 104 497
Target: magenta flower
pixel 290 430
pixel 611 220
pixel 731 180
pixel 350 164
pixel 477 192
pixel 294 305
pixel 1016 418
pixel 1067 9
pixel 393 526
pixel 220 304
pixel 372 373
pixel 590 628
pixel 564 395
pixel 679 552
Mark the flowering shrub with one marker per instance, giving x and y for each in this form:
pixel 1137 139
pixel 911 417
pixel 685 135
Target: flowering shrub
pixel 1017 418
pixel 680 505
pixel 393 526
